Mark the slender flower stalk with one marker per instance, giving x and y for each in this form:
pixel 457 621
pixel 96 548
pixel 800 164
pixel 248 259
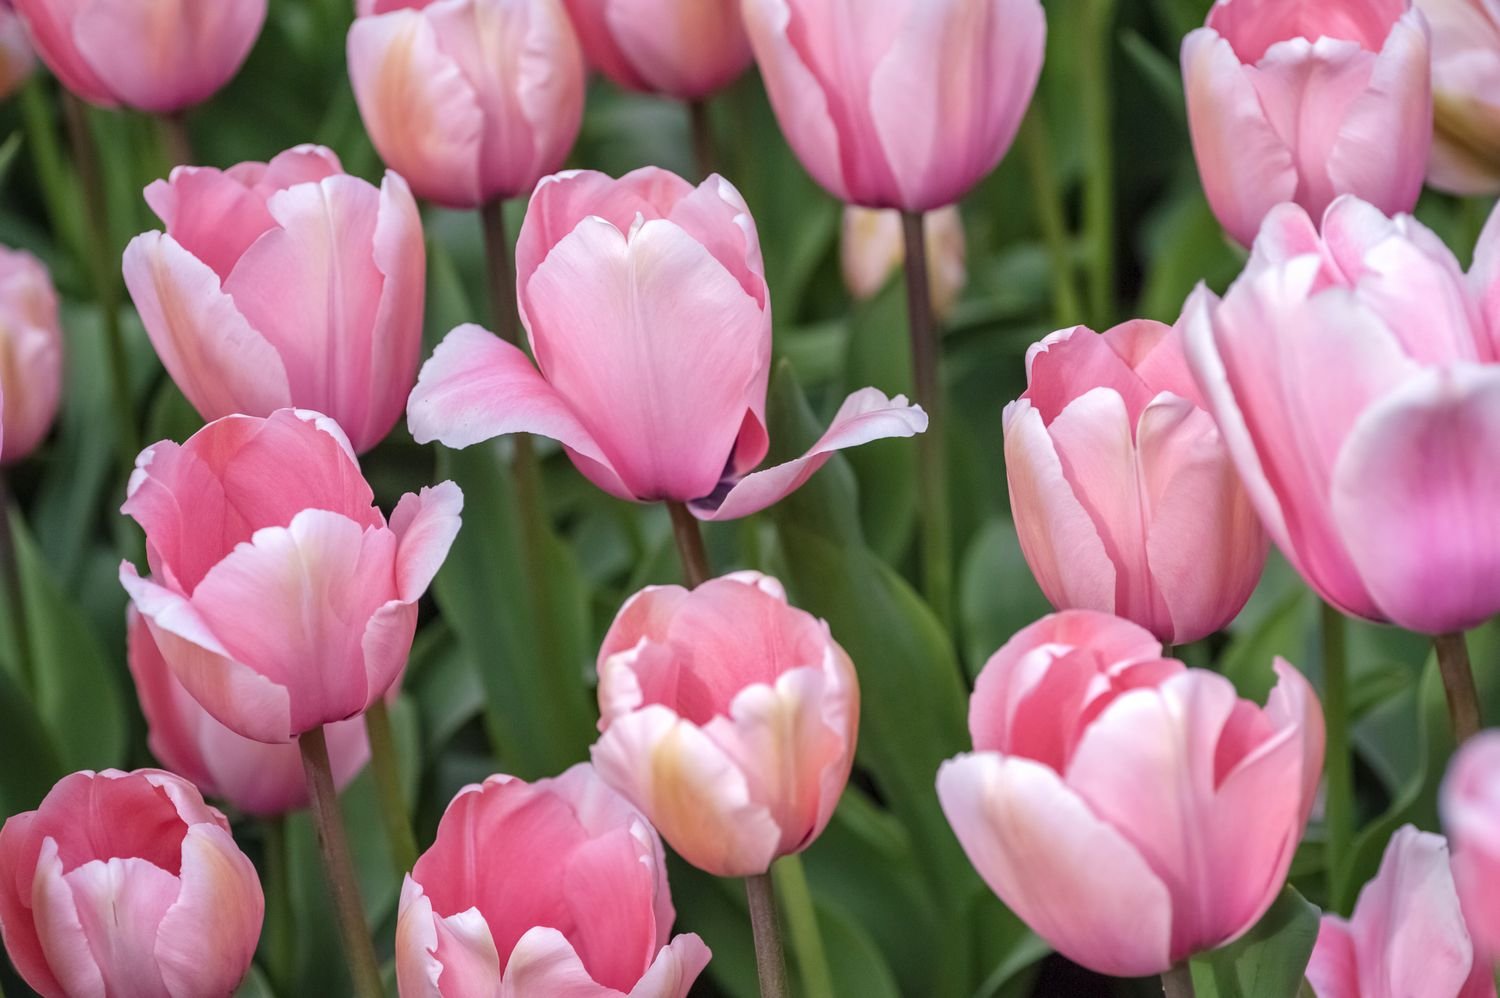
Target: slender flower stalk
pixel 932 479
pixel 1041 171
pixel 770 961
pixel 695 566
pixel 387 767
pixel 1458 684
pixel 705 150
pixel 1095 38
pixel 15 600
pixel 343 888
pixel 802 925
pixel 281 929
pixel 176 143
pixel 1178 982
pixel 1339 761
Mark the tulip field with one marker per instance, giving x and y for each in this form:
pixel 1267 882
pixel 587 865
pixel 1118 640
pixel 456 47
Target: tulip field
pixel 749 498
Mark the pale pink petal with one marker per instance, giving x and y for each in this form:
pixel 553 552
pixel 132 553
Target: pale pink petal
pixel 425 525
pixel 1333 971
pixel 61 928
pixel 544 963
pixel 213 214
pixel 1070 362
pixel 1484 280
pixel 1293 704
pixel 208 936
pixel 49 24
pixel 596 35
pixel 1471 815
pixel 688 50
pixel 121 903
pixel 676 967
pixel 396 337
pixel 437 957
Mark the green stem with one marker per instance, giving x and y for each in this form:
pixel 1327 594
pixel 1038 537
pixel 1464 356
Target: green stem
pixel 705 152
pixel 343 887
pixel 690 549
pixel 770 960
pixel 802 925
pixel 1339 764
pixel 1046 196
pixel 15 596
pixel 1458 684
pixel 1096 29
pixel 1178 982
pixel 932 477
pixel 47 158
pixel 387 766
pixel 280 912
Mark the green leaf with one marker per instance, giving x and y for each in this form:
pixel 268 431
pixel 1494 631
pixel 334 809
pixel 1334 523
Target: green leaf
pixel 255 985
pixel 997 594
pixel 31 766
pixel 1269 961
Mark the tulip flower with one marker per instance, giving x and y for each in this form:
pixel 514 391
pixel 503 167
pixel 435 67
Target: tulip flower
pixel 1303 102
pixel 646 304
pixel 30 353
pixel 285 284
pixel 280 597
pixel 470 100
pixel 687 49
pixel 558 887
pixel 1130 810
pixel 1407 937
pixel 1124 494
pixel 127 884
pixel 160 56
pixel 17 59
pixel 873 250
pixel 899 103
pixel 1465 83
pixel 729 718
pixel 1471 815
pixel 1354 378
pixel 256 778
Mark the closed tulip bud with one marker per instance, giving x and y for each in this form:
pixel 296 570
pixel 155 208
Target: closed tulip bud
pixel 883 103
pixel 127 884
pixel 646 304
pixel 256 778
pixel 1471 816
pixel 553 888
pixel 1465 95
pixel 729 718
pixel 688 49
pixel 280 597
pixel 288 284
pixel 1299 102
pixel 1354 378
pixel 17 59
pixel 160 56
pixel 1129 809
pixel 1124 494
pixel 873 250
pixel 469 100
pixel 1407 937
pixel 30 353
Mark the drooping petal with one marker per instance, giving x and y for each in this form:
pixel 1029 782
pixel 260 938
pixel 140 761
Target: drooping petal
pixel 425 525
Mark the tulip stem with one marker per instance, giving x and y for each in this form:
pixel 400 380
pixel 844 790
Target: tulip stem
pixel 705 152
pixel 280 912
pixel 802 924
pixel 770 960
pixel 695 568
pixel 387 766
pixel 175 140
pixel 1458 684
pixel 1339 760
pixel 932 476
pixel 1178 982
pixel 343 888
pixel 15 594
pixel 1036 146
pixel 1094 106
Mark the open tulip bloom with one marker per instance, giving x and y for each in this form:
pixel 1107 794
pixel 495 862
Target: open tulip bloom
pixel 646 305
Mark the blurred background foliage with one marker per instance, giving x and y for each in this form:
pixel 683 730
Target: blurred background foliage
pixel 1096 216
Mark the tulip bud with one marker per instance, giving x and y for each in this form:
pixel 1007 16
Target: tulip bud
pixel 17 59
pixel 256 778
pixel 1471 815
pixel 663 398
pixel 874 248
pixel 558 887
pixel 269 520
pixel 30 353
pixel 889 112
pixel 1124 494
pixel 160 56
pixel 688 49
pixel 1132 811
pixel 1465 83
pixel 729 718
pixel 1305 102
pixel 469 100
pixel 127 884
pixel 1407 936
pixel 285 284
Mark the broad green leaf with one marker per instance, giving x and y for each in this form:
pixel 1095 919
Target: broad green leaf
pixel 255 985
pixel 1267 962
pixel 997 594
pixel 31 765
pixel 857 964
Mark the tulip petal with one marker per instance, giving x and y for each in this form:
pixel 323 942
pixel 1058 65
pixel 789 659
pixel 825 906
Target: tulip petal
pixel 205 946
pixel 395 341
pixel 1415 493
pixel 1040 848
pixel 213 214
pixel 20 845
pixel 544 963
pixel 676 967
pixel 49 26
pixel 437 957
pixel 865 416
pixel 1070 361
pixel 425 525
pixel 61 928
pixel 1333 970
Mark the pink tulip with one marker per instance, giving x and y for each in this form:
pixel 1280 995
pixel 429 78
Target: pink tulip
pixel 1294 101
pixel 258 779
pixel 469 100
pixel 1354 378
pixel 899 103
pixel 729 718
pixel 1471 814
pixel 279 596
pixel 17 59
pixel 30 353
pixel 1466 95
pixel 285 284
pixel 873 251
pixel 127 884
pixel 1407 938
pixel 555 889
pixel 648 312
pixel 688 49
pixel 160 56
pixel 1123 492
pixel 1132 811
